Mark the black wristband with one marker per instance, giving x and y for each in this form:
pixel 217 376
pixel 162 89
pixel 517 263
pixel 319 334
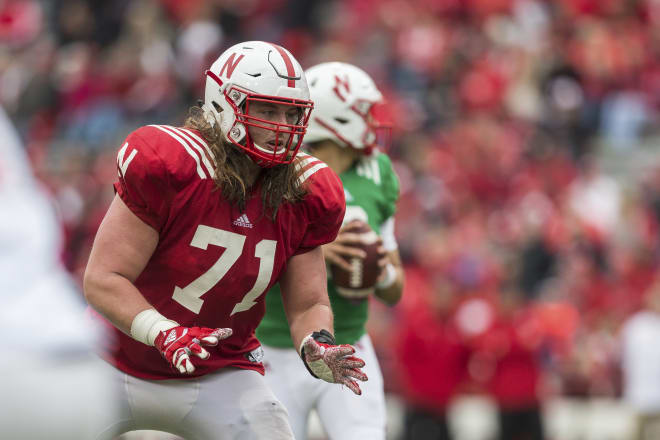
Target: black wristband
pixel 324 337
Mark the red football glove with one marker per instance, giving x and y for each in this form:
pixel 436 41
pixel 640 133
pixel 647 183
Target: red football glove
pixel 330 362
pixel 177 343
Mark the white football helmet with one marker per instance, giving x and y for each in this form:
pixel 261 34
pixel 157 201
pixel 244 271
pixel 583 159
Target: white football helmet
pixel 256 71
pixel 344 97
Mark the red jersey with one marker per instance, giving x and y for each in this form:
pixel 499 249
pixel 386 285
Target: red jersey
pixel 213 263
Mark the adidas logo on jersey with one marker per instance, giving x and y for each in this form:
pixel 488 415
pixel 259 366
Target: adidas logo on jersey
pixel 243 221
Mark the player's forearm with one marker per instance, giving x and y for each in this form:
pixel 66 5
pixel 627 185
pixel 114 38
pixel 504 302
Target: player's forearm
pixel 122 248
pixel 115 297
pixel 304 295
pixel 391 294
pixel 312 319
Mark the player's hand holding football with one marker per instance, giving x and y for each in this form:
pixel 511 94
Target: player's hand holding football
pixel 383 261
pixel 345 246
pixel 332 363
pixel 178 343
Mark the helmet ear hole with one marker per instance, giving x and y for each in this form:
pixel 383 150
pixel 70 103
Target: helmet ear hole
pixel 342 120
pixel 216 107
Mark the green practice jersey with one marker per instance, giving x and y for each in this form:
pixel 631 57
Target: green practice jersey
pixel 372 189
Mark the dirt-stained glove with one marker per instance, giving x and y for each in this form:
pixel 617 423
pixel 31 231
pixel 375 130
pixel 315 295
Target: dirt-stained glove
pixel 333 363
pixel 178 343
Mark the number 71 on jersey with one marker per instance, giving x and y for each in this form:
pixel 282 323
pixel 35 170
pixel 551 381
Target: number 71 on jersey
pixel 190 295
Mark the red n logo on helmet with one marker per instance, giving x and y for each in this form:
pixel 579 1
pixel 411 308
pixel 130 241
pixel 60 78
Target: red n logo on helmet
pixel 343 83
pixel 230 65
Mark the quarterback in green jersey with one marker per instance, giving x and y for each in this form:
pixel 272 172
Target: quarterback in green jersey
pixel 342 133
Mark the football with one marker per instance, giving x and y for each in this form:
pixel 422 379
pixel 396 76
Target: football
pixel 360 280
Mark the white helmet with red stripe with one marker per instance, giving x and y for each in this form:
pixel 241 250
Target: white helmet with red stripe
pixel 344 97
pixel 256 71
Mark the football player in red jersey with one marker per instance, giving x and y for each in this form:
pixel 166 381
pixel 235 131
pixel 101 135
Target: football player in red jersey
pixel 207 217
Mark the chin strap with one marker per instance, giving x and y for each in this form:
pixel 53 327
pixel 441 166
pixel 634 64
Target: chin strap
pixel 210 114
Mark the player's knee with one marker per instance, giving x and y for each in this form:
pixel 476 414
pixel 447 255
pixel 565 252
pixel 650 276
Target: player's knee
pixel 275 407
pixel 267 410
pixel 270 417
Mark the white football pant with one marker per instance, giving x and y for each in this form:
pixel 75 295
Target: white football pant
pixel 230 404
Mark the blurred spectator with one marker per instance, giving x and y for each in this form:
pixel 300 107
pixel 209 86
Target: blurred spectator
pixel 50 372
pixel 641 364
pixel 506 358
pixel 432 357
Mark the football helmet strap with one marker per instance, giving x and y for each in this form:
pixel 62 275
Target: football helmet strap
pixel 256 71
pixel 345 98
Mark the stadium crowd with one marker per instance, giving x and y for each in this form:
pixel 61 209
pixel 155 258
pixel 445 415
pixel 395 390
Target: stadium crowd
pixel 524 130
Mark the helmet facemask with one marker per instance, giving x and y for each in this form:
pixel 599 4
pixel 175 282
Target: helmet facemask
pixel 378 131
pixel 287 136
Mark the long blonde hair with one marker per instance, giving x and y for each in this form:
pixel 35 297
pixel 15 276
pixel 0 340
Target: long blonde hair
pixel 279 183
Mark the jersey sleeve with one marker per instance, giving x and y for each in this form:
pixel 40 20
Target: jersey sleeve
pixel 390 185
pixel 324 207
pixel 143 180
